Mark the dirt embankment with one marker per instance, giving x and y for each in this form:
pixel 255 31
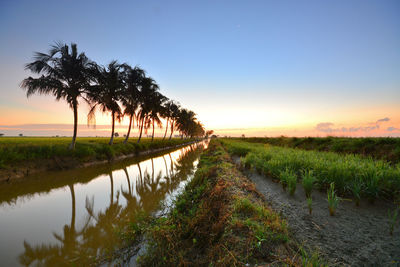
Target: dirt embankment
pixel 219 220
pixel 355 236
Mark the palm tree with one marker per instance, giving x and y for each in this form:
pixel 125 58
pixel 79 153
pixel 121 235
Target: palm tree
pixel 65 75
pixel 185 118
pixel 156 110
pixel 149 88
pixel 106 92
pixel 167 113
pixel 131 94
pixel 175 111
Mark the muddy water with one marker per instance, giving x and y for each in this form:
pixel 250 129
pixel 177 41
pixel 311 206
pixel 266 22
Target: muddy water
pixel 70 218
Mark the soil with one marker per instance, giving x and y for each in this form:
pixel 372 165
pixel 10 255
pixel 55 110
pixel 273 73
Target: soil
pixel 355 236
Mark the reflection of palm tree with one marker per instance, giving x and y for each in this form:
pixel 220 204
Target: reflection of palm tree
pixel 172 164
pixel 166 168
pixel 98 236
pixel 53 255
pixel 129 182
pixel 71 188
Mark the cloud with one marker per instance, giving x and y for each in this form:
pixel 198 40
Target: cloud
pixel 392 129
pixel 327 127
pixel 383 120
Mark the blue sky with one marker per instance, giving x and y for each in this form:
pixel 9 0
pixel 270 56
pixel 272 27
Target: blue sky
pixel 284 63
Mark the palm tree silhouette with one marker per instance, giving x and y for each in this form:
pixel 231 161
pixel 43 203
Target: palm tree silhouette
pixel 148 92
pixel 185 118
pixel 175 111
pixel 106 92
pixel 65 75
pixel 167 113
pixel 131 94
pixel 156 110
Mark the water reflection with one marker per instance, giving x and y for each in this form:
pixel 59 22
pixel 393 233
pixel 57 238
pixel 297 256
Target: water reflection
pixel 95 223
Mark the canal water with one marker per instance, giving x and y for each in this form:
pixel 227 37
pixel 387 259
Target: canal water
pixel 71 218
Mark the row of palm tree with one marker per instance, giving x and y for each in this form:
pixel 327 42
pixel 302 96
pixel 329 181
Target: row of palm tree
pixel 117 88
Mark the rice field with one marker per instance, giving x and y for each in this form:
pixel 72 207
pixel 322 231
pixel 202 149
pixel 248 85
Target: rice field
pixel 385 148
pixel 14 150
pixel 353 175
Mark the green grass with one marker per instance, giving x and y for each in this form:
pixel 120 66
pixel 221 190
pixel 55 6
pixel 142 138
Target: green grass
pixel 352 174
pixel 219 220
pixel 385 148
pixel 16 150
pixel 333 200
pixel 308 181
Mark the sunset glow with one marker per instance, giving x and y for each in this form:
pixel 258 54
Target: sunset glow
pixel 272 69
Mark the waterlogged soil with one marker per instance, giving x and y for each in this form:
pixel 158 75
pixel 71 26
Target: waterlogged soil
pixel 355 236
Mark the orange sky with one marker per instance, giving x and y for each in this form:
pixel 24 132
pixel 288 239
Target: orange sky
pixel 227 120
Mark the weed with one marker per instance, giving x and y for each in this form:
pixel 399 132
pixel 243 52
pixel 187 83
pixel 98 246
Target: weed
pixel 308 182
pixel 333 199
pixel 311 259
pixel 289 178
pixel 372 187
pixel 309 204
pixel 356 188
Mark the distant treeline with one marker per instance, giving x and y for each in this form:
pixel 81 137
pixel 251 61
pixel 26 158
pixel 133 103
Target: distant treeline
pixel 386 148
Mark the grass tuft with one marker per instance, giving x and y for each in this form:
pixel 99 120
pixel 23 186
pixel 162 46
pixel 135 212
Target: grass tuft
pixel 333 199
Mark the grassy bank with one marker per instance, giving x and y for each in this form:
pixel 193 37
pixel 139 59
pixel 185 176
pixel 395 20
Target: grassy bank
pixel 352 175
pixel 219 220
pixel 19 152
pixel 386 148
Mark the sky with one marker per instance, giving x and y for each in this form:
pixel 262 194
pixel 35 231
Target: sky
pixel 259 68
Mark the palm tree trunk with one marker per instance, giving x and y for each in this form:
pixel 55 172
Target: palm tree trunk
pixel 75 107
pixel 141 129
pixel 172 130
pixel 112 129
pixel 152 136
pixel 129 129
pixel 166 128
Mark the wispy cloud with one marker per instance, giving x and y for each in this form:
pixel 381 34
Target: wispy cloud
pixel 328 127
pixel 383 120
pixel 393 129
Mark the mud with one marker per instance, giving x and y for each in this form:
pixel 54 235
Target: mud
pixel 355 236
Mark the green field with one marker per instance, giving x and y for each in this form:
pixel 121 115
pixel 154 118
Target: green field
pixel 15 150
pixel 220 220
pixel 353 175
pixel 386 148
